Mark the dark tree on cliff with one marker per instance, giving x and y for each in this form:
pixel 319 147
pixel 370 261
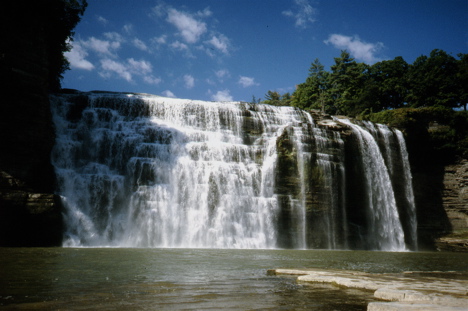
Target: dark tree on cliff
pixel 390 78
pixel 62 16
pixel 433 81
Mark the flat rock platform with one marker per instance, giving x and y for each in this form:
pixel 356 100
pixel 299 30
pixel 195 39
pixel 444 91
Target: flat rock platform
pixel 398 291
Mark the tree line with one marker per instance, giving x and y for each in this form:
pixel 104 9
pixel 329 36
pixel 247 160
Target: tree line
pixel 353 88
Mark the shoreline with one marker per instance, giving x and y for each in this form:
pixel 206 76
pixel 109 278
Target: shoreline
pixel 412 290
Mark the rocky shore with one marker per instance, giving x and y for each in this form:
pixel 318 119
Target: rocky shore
pixel 442 291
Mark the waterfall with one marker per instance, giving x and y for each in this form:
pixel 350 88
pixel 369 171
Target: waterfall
pixel 137 170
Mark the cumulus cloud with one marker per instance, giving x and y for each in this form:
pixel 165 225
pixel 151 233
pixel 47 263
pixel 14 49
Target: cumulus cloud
pixel 76 56
pixel 246 81
pixel 140 67
pixel 159 40
pixel 222 96
pixel 303 13
pixel 140 44
pixel 190 28
pixel 103 47
pixel 110 66
pixel 168 93
pixel 220 42
pixel 114 36
pixel 222 74
pixel 128 69
pixel 189 81
pixel 152 80
pixel 177 45
pixel 356 47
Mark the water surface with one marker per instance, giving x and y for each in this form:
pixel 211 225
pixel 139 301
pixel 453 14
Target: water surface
pixel 191 279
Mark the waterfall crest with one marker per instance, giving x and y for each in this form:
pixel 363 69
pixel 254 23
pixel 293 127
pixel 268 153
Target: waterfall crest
pixel 139 170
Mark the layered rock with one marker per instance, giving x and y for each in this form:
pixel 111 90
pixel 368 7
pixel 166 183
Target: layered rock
pixel 455 202
pixel 401 291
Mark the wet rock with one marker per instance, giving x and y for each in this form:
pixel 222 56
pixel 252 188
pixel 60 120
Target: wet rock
pixel 405 291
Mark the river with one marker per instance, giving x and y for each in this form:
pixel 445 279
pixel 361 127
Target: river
pixel 192 279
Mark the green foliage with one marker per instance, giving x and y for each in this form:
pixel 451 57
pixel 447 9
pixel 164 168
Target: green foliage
pixel 357 89
pixel 276 99
pixel 432 81
pixel 313 93
pixel 442 128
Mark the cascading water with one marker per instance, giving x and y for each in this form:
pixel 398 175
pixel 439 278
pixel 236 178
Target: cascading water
pixel 139 170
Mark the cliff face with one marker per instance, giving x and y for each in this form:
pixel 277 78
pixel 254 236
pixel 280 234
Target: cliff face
pixel 29 212
pixel 455 202
pixel 440 185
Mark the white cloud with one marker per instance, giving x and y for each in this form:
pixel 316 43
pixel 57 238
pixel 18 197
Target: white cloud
pixel 152 80
pixel 190 29
pixel 222 96
pixel 303 13
pixel 77 56
pixel 177 45
pixel 358 49
pixel 140 44
pixel 205 13
pixel 246 81
pixel 220 42
pixel 222 74
pixel 127 70
pixel 139 67
pixel 189 81
pixel 114 36
pixel 110 66
pixel 168 93
pixel 102 20
pixel 128 28
pixel 101 46
pixel 159 40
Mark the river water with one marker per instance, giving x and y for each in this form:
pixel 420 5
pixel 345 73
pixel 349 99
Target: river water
pixel 192 279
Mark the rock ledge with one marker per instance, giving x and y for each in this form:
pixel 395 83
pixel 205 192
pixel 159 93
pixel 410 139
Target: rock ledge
pixel 404 291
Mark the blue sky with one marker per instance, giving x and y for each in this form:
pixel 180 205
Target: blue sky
pixel 235 49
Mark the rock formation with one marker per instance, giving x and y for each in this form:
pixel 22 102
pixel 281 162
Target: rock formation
pixel 29 212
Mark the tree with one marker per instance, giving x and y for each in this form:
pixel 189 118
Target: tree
pixel 390 78
pixel 61 17
pixel 347 81
pixel 272 98
pixel 313 93
pixel 433 81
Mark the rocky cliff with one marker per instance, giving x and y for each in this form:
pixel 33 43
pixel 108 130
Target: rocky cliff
pixel 455 202
pixel 437 141
pixel 29 212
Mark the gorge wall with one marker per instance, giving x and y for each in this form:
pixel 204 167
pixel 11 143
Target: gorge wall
pixel 30 214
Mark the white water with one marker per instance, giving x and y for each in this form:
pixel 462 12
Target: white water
pixel 385 229
pixel 146 171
